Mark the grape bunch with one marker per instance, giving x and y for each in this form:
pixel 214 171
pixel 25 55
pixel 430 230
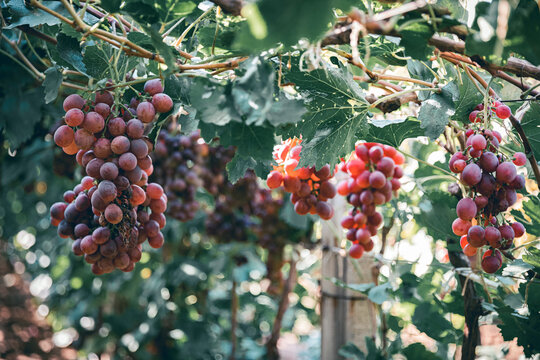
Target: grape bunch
pixel 310 188
pixel 492 181
pixel 114 209
pixel 184 164
pixel 374 171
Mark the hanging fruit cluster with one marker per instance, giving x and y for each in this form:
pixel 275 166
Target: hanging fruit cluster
pixel 491 180
pixel 374 171
pixel 310 188
pixel 114 209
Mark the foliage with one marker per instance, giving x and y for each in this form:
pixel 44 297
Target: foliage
pixel 250 77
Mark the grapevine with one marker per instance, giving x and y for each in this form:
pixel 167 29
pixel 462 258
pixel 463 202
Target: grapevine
pixel 492 181
pixel 114 209
pixel 374 171
pixel 310 188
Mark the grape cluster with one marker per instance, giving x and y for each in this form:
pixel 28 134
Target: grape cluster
pixel 491 180
pixel 184 164
pixel 310 188
pixel 374 171
pixel 114 209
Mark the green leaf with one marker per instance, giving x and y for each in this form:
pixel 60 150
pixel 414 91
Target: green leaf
pixel 213 103
pixel 530 217
pixel 379 294
pixel 394 132
pixel 31 16
pixel 523 326
pixel 52 82
pixel 285 111
pixel 292 218
pixel 523 25
pixel 19 113
pixel 237 167
pixel 437 210
pixel 469 97
pixel 518 267
pixel 418 351
pixel 336 115
pixel 530 126
pixel 70 51
pixel 414 39
pixel 532 257
pixel 111 6
pixel 363 288
pixel 270 22
pixel 351 351
pixel 436 110
pixel 429 318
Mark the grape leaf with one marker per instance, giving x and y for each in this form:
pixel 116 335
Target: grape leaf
pixel 70 51
pixel 531 220
pixel 336 115
pixel 268 24
pixel 238 166
pixel 52 82
pixel 524 327
pixel 31 16
pixel 469 97
pixel 393 132
pixel 419 351
pixel 532 257
pixel 437 210
pixel 19 113
pixel 436 110
pixel 524 19
pixel 97 60
pixel 430 318
pixel 414 40
pixel 531 127
pixel 351 351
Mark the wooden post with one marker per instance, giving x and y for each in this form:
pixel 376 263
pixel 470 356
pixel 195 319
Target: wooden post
pixel 346 316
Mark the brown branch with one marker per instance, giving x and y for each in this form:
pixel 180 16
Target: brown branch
pixel 392 104
pixel 271 345
pixel 33 32
pixel 527 146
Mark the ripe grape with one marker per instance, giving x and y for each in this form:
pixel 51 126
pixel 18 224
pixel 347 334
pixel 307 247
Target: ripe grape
pixel 74 117
pixel 93 122
pixel 466 209
pixel 64 136
pixel 146 112
pixel 162 102
pixel 506 172
pixel 356 251
pixel 503 111
pixel 73 101
pixel 153 86
pixel 519 159
pixel 472 174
